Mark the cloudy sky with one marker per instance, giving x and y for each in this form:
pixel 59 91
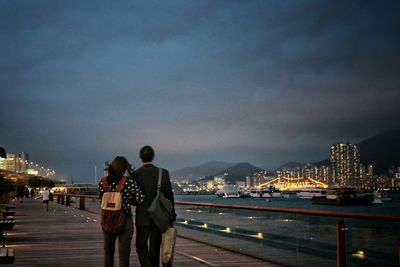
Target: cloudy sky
pixel 259 81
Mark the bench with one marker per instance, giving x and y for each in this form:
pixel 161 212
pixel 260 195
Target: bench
pixel 7 255
pixel 7 224
pixel 7 213
pixel 7 207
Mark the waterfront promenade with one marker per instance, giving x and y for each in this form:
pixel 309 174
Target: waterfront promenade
pixel 66 236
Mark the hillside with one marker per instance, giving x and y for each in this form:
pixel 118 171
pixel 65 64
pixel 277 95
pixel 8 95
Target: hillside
pixel 382 151
pixel 290 165
pixel 206 169
pixel 239 172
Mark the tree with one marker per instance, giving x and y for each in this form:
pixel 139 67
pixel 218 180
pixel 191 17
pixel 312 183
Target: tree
pixel 6 186
pixel 38 181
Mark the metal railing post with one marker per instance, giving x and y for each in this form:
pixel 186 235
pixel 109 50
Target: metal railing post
pixel 62 200
pixel 67 200
pixel 82 203
pixel 58 199
pixel 341 243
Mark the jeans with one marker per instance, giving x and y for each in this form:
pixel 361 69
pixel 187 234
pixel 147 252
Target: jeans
pixel 148 241
pixel 124 244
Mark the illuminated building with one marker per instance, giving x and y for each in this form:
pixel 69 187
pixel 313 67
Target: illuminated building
pixel 370 170
pixel 320 173
pixel 248 181
pixel 345 159
pixel 219 181
pixel 10 163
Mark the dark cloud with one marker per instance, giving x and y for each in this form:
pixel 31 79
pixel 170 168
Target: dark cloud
pixel 262 81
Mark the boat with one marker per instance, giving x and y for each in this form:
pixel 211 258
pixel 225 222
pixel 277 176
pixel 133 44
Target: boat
pixel 344 197
pixel 310 193
pixel 255 193
pixel 270 192
pixel 273 194
pixel 228 191
pixel 380 197
pixel 244 193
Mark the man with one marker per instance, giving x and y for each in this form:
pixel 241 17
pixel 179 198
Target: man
pixel 148 236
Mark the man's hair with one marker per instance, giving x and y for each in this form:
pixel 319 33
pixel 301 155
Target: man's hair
pixel 146 154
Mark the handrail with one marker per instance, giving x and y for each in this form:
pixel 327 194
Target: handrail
pixel 325 213
pixel 351 215
pixel 77 195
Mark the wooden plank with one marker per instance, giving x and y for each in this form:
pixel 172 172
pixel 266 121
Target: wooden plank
pixel 10 252
pixel 67 236
pixel 3 252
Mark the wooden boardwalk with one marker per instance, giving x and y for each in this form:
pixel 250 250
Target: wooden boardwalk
pixel 66 236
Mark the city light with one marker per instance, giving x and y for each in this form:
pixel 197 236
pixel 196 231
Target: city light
pixel 18 164
pixel 359 254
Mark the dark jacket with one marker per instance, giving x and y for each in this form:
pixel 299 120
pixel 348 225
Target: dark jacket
pixel 147 178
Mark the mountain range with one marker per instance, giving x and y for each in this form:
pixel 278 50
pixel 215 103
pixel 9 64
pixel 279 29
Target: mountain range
pixel 209 168
pixel 381 150
pixel 237 171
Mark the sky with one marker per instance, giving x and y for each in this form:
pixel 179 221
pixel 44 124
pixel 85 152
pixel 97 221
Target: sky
pixel 265 82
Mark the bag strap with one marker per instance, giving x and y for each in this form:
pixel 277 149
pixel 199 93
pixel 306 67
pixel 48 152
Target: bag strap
pixel 105 184
pixel 159 179
pixel 121 184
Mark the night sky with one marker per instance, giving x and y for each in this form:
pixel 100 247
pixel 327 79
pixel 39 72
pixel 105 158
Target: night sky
pixel 260 81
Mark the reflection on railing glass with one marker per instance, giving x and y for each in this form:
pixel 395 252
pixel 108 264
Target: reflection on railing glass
pixel 291 239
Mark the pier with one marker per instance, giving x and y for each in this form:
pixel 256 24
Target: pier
pixel 67 236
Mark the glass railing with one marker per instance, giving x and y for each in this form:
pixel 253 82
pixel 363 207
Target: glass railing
pixel 290 237
pixel 294 237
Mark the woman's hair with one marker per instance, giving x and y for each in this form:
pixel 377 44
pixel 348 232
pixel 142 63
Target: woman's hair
pixel 119 166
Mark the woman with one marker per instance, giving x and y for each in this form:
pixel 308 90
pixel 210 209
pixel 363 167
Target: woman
pixel 130 194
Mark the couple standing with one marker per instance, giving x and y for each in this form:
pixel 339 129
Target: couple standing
pixel 139 189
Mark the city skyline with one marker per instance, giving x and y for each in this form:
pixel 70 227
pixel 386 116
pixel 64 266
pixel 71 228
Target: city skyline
pixel 263 82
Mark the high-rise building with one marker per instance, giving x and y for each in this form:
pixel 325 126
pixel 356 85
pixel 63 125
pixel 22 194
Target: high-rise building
pixel 370 170
pixel 345 159
pixel 362 171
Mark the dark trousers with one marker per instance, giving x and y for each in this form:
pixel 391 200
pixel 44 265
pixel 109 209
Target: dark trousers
pixel 148 242
pixel 124 245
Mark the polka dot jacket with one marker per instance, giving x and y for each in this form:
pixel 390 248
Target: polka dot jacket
pixel 131 193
